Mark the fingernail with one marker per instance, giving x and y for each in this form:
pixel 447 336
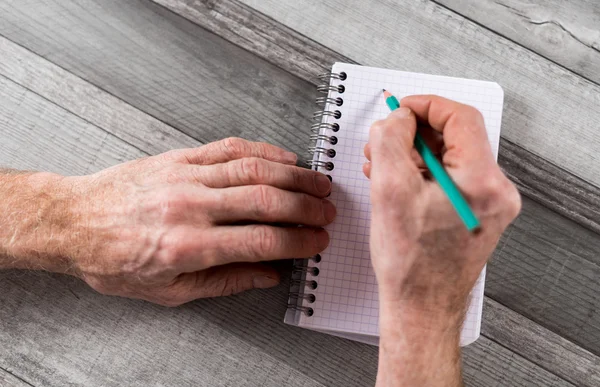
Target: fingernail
pixel 290 157
pixel 263 282
pixel 402 112
pixel 328 211
pixel 322 184
pixel 322 239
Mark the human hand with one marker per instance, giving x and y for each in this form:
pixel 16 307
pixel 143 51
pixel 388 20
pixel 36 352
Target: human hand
pixel 425 260
pixel 192 223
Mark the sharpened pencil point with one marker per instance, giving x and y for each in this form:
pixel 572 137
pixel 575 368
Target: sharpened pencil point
pixel 383 90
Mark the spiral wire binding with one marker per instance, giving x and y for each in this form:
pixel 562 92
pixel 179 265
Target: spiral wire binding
pixel 322 155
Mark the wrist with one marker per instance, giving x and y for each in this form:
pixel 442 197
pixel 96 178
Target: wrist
pixel 36 222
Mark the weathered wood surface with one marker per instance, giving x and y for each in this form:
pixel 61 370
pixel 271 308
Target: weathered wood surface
pixel 9 380
pixel 540 249
pixel 166 66
pixel 38 135
pixel 63 333
pixel 304 345
pixel 87 101
pixel 548 109
pixel 97 340
pixel 548 350
pixel 240 24
pixel 567 32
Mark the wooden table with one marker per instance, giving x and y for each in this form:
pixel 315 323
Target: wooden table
pixel 88 84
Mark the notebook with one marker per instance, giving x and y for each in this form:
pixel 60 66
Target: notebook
pixel 336 291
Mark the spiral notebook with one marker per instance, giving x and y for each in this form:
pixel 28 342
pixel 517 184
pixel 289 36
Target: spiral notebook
pixel 336 291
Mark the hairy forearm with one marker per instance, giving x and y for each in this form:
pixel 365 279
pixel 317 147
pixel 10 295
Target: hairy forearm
pixel 32 230
pixel 418 349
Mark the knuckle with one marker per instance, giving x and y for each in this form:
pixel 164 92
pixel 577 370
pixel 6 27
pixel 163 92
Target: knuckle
pixel 472 111
pixel 234 147
pixel 514 201
pixel 265 240
pixel 297 176
pixel 265 203
pixel 253 169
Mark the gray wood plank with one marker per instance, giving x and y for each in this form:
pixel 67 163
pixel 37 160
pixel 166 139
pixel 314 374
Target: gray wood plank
pixel 547 268
pixel 68 334
pixel 548 108
pixel 567 32
pixel 166 66
pixel 240 24
pixel 543 347
pixel 38 135
pixel 87 101
pixel 304 351
pixel 508 369
pixel 7 379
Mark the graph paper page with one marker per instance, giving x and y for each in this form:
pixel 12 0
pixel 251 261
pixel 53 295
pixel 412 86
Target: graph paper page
pixel 346 297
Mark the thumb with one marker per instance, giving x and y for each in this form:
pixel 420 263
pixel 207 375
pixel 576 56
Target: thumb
pixel 391 142
pixel 231 279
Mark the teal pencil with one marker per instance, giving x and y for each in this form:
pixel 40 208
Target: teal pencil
pixel 440 175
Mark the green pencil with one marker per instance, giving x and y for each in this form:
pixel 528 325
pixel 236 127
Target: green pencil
pixel 439 173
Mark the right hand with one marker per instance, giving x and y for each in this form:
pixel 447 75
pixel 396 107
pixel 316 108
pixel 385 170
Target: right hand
pixel 193 223
pixel 424 258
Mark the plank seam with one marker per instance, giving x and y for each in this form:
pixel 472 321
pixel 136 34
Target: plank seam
pixel 99 88
pixel 515 350
pixel 519 44
pixel 16 376
pixel 74 114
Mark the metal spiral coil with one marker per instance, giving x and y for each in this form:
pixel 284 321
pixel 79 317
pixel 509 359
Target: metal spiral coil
pixel 310 298
pixel 325 100
pixel 312 270
pixel 316 128
pixel 304 309
pixel 326 113
pixel 323 143
pixel 326 88
pixel 326 76
pixel 311 284
pixel 317 149
pixel 328 165
pixel 330 139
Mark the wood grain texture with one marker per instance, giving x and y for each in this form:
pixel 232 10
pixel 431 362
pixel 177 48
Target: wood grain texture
pixel 38 135
pixel 548 109
pixel 567 32
pixel 87 101
pixel 546 349
pixel 551 186
pixel 166 66
pixel 509 369
pixel 255 32
pixel 241 340
pixel 547 268
pixel 7 379
pixel 60 332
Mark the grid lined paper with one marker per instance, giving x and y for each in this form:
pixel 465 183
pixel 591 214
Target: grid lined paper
pixel 346 297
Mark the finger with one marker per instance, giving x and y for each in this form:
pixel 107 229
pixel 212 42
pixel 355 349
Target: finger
pixel 199 250
pixel 462 126
pixel 255 171
pixel 367 151
pixel 367 169
pixel 263 203
pixel 391 142
pixel 224 280
pixel 231 149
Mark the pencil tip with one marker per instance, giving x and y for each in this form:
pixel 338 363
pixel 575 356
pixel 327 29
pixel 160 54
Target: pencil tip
pixel 384 90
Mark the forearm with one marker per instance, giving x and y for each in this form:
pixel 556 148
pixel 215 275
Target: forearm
pixel 33 221
pixel 418 348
